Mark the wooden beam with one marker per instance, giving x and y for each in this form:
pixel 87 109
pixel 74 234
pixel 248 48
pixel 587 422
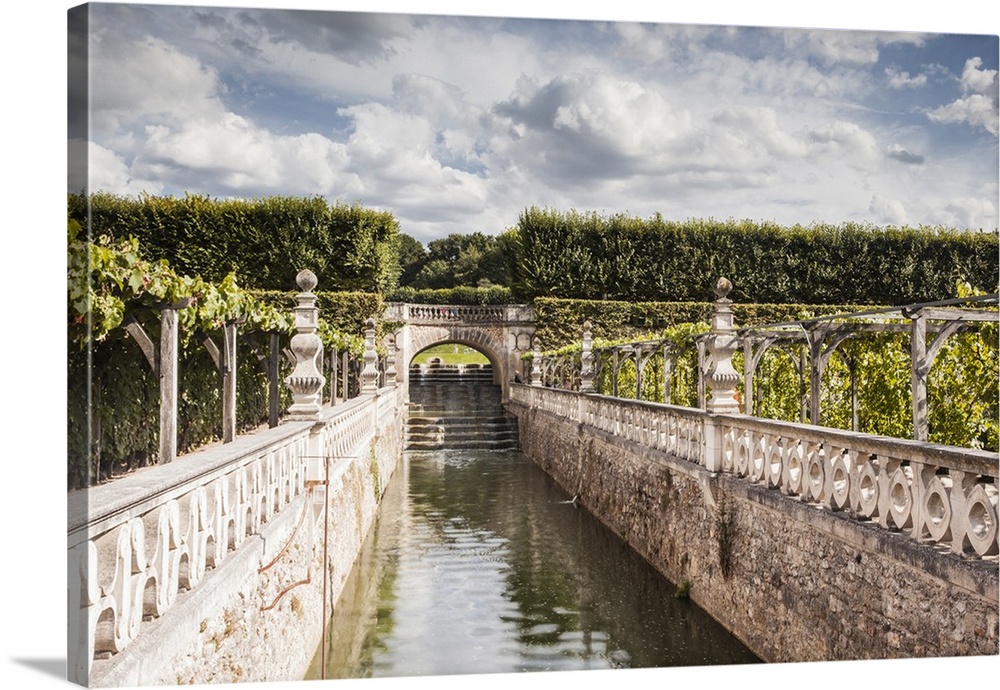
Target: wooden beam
pixel 955 314
pixel 142 339
pixel 273 384
pixel 213 350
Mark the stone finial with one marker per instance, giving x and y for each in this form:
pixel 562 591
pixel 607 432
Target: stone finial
pixel 587 360
pixel 306 280
pixel 721 377
pixel 722 288
pixel 306 381
pixel 536 363
pixel 369 374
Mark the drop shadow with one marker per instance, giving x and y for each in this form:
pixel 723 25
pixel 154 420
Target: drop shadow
pixel 50 667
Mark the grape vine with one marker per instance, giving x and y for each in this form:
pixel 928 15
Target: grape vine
pixel 113 394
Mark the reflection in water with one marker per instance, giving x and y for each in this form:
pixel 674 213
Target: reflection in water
pixel 479 563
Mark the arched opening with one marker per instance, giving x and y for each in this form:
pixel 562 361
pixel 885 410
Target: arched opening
pixel 456 399
pixel 456 354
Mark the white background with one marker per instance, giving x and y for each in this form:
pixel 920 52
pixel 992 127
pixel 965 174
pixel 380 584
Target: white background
pixel 33 356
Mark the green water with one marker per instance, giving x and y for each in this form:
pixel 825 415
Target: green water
pixel 478 563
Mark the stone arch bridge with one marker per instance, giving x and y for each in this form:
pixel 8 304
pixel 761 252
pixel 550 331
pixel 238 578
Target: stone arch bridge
pixel 501 332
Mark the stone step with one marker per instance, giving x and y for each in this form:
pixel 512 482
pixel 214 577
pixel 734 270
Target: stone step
pixel 463 441
pixel 458 423
pixel 453 409
pixel 451 374
pixel 425 389
pixel 438 432
pixel 480 444
pixel 446 395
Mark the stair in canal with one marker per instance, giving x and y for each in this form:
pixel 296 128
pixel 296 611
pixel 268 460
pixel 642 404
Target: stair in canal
pixel 457 408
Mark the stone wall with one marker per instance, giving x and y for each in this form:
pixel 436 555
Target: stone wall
pixel 793 582
pixel 260 615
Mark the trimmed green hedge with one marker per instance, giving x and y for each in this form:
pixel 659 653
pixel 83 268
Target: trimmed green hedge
pixel 560 321
pixel 588 256
pixel 459 295
pixel 266 242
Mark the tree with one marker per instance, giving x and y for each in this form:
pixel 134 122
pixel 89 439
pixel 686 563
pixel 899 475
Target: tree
pixel 412 258
pixel 473 260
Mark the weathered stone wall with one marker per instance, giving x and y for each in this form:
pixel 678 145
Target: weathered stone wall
pixel 250 622
pixel 793 582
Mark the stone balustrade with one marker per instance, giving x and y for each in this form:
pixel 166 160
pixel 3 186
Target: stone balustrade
pixel 429 314
pixel 936 494
pixel 139 543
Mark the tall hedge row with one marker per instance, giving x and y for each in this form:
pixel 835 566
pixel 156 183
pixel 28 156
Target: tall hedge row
pixel 559 321
pixel 619 257
pixel 266 241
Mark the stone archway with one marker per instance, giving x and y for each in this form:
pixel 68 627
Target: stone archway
pixel 501 332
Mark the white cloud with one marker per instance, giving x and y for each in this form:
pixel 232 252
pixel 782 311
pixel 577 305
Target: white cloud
pixel 855 48
pixel 391 155
pixel 627 117
pixel 140 81
pixel 903 80
pixel 968 212
pixel 757 128
pixel 975 110
pixel 105 170
pixel 887 211
pixel 977 80
pixel 979 107
pixel 847 141
pixel 242 157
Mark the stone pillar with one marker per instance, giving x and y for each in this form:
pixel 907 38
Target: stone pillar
pixel 305 381
pixel 722 377
pixel 587 360
pixel 369 375
pixel 390 360
pixel 536 364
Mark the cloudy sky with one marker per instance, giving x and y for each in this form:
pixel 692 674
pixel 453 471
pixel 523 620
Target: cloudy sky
pixel 456 124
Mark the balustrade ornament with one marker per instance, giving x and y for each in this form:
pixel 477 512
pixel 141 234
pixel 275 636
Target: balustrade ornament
pixel 587 360
pixel 536 364
pixel 369 375
pixel 721 377
pixel 460 313
pixel 306 381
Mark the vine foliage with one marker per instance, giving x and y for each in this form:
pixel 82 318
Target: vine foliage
pixel 113 393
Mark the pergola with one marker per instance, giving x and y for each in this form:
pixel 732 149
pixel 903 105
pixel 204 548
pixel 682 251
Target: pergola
pixel 928 324
pixel 809 344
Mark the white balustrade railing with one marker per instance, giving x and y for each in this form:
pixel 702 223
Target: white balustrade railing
pixel 137 543
pixel 936 494
pixel 439 313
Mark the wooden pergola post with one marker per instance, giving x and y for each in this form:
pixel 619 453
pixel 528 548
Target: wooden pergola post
pixel 167 365
pixel 229 382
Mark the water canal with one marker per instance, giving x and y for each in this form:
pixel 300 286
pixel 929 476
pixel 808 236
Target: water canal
pixel 479 563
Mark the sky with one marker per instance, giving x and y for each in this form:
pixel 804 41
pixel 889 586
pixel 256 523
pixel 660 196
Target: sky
pixel 459 123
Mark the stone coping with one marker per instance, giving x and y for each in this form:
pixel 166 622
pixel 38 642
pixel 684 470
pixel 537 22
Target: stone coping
pixel 99 508
pixel 973 460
